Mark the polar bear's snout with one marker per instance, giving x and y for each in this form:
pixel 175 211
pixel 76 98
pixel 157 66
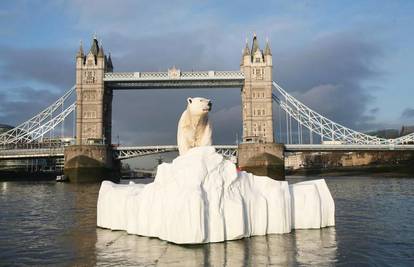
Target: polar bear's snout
pixel 208 108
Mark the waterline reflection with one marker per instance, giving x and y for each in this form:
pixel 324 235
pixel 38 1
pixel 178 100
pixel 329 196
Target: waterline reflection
pixel 314 247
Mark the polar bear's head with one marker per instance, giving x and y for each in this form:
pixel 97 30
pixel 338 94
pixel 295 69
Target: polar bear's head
pixel 198 105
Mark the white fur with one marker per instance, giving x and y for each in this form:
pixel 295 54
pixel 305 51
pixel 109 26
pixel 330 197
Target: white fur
pixel 194 128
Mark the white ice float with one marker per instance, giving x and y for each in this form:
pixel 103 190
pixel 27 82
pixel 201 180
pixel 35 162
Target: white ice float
pixel 200 197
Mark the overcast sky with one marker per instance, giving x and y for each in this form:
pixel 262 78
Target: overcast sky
pixel 349 60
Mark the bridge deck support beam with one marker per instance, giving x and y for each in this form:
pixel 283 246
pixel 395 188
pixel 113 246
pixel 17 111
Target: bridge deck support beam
pixel 262 159
pixel 90 163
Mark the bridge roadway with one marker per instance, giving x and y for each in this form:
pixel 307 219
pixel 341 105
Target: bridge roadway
pixel 227 150
pixel 174 78
pixel 31 153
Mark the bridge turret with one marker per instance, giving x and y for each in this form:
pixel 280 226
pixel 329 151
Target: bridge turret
pixel 257 94
pixel 109 66
pixel 80 59
pixel 255 44
pixel 268 54
pixel 101 52
pixel 246 55
pixel 80 53
pixel 94 46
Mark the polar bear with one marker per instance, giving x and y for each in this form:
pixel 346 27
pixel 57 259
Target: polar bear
pixel 194 128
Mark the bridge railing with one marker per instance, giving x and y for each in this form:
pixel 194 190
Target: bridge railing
pixel 185 75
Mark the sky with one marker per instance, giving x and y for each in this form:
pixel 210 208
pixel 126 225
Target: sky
pixel 351 61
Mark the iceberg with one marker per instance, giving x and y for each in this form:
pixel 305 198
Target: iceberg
pixel 201 197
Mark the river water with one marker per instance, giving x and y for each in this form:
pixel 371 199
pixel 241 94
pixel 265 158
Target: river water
pixel 54 224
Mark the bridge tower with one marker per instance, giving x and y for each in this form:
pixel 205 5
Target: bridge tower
pixel 94 101
pixel 257 93
pixel 258 152
pixel 91 158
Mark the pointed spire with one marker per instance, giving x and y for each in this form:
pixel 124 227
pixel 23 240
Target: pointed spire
pixel 80 51
pixel 101 52
pixel 95 46
pixel 267 50
pixel 255 45
pixel 246 50
pixel 110 62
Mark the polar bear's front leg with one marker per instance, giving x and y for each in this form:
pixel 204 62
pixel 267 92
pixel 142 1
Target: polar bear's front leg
pixel 185 140
pixel 182 142
pixel 207 137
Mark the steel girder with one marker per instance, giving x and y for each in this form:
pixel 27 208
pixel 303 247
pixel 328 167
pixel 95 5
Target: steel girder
pixel 37 133
pixel 139 151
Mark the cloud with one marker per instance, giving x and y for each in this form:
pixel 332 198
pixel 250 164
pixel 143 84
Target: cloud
pixel 22 103
pixel 328 75
pixel 374 110
pixel 408 113
pixel 50 66
pixel 157 53
pixel 227 123
pixel 335 58
pixel 138 17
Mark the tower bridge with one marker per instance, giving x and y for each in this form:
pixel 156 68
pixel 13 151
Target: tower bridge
pixel 96 81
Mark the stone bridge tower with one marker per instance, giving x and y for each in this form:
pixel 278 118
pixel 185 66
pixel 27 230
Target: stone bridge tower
pixel 94 101
pixel 258 153
pixel 257 94
pixel 91 158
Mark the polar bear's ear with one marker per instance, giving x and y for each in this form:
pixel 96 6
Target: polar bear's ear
pixel 189 100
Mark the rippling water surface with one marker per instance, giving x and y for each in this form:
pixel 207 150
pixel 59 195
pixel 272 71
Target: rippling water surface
pixel 48 223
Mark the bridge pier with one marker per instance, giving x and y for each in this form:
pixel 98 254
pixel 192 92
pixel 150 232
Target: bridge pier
pixel 90 163
pixel 262 159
